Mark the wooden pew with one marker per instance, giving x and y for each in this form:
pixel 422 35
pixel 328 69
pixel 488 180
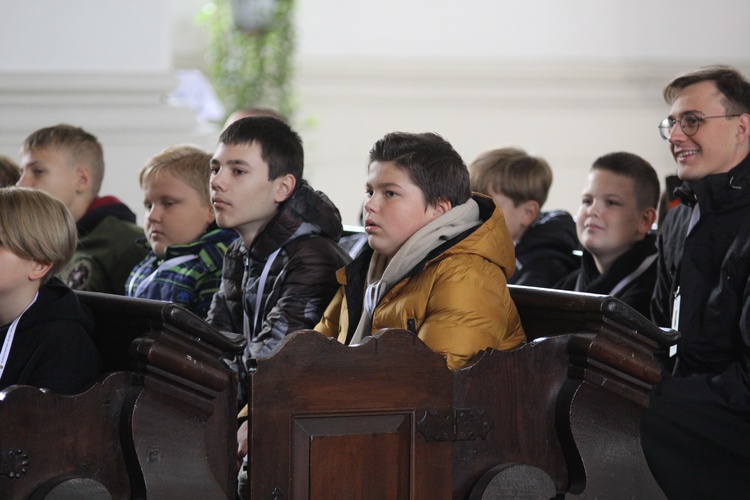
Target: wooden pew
pixel 159 424
pixel 387 419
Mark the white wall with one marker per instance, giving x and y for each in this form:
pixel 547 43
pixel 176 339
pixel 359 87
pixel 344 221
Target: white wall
pixel 568 80
pixel 104 65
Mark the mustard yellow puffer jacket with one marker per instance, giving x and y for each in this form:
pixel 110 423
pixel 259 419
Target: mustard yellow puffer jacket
pixel 457 302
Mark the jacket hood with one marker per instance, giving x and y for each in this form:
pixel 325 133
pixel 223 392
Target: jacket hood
pixel 102 207
pixel 306 212
pixel 490 240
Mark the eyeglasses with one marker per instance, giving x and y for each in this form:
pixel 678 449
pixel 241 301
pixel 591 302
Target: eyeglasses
pixel 689 124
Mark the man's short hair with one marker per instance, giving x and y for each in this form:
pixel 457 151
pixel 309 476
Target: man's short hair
pixel 186 162
pixel 9 172
pixel 729 81
pixel 281 147
pixel 35 225
pixel 80 147
pixel 512 172
pixel 431 163
pixel 645 179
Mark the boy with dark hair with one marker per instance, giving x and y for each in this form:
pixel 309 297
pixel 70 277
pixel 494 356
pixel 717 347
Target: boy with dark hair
pixel 281 273
pixel 696 431
pixel 439 258
pixel 44 331
pixel 617 211
pixel 68 163
pixel 186 247
pixel 544 241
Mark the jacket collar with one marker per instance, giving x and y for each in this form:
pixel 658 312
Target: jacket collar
pixel 718 192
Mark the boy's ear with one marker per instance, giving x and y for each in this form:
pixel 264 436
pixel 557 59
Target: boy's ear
pixel 284 187
pixel 39 270
pixel 441 207
pixel 646 221
pixel 529 212
pixel 83 178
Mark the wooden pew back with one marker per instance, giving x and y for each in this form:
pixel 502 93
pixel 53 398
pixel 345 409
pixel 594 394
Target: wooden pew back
pixel 158 424
pixel 387 419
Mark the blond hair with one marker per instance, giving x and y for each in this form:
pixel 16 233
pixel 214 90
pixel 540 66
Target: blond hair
pixel 79 146
pixel 37 226
pixel 186 162
pixel 512 172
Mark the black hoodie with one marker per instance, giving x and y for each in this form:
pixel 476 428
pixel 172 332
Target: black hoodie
pixel 52 347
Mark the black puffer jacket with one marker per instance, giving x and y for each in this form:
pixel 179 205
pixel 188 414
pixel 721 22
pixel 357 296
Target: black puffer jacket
pixel 711 269
pixel 544 255
pixel 301 280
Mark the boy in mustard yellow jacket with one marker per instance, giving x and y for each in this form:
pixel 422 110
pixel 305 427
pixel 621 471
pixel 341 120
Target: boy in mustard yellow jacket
pixel 439 257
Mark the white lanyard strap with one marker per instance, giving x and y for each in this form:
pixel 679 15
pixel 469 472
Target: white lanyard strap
pixel 175 261
pixel 262 286
pixel 634 275
pixel 5 352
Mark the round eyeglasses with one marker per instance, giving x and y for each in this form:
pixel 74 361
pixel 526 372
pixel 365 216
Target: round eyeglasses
pixel 689 124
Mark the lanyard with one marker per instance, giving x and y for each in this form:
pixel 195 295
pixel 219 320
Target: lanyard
pixel 175 261
pixel 5 352
pixel 262 286
pixel 634 275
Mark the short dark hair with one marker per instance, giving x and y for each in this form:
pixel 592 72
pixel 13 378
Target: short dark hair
pixel 729 81
pixel 281 147
pixel 645 179
pixel 431 163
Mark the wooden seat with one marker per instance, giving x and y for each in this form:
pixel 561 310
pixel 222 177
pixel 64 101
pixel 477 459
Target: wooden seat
pixel 387 419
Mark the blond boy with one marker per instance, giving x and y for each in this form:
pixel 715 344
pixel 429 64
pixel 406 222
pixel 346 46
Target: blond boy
pixel 44 332
pixel 186 247
pixel 68 163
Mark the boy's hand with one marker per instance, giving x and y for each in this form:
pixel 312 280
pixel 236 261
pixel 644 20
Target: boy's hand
pixel 241 443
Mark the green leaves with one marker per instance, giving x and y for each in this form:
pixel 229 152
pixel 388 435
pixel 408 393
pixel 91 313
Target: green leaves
pixel 251 68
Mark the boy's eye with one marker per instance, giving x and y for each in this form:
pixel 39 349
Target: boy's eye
pixel 390 194
pixel 586 201
pixel 368 193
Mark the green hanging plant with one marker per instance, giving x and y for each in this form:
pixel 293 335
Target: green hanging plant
pixel 251 68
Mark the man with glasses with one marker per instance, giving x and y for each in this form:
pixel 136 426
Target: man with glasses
pixel 696 432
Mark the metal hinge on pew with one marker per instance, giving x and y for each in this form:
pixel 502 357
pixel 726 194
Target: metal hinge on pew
pixel 461 424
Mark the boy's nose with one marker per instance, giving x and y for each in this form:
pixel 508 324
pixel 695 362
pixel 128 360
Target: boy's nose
pixel 367 208
pixel 216 183
pixel 595 208
pixel 152 213
pixel 24 181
